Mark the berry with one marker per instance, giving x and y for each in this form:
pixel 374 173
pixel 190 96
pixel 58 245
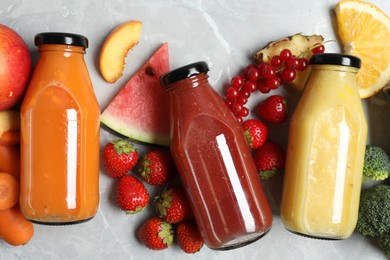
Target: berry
pixel 132 195
pixel 119 157
pixel 250 86
pixel 173 206
pixel 262 86
pixel 269 160
pixel 273 83
pixel 255 132
pixel 318 49
pixel 253 74
pixel 273 109
pixel 188 237
pixel 237 81
pixel 292 62
pixel 156 234
pixel 232 93
pixel 285 54
pixel 268 72
pixel 288 74
pixel 157 167
pixel 302 64
pixel 276 61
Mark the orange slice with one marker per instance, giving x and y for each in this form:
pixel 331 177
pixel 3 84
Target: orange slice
pixel 364 30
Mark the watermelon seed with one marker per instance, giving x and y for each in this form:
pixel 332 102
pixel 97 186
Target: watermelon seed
pixel 150 71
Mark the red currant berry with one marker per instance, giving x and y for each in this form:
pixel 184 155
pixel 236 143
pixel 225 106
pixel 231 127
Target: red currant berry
pixel 237 81
pixel 244 112
pixel 318 49
pixel 253 74
pixel 228 102
pixel 276 61
pixel 232 93
pixel 244 94
pixel 288 74
pixel 236 108
pixel 251 66
pixel 285 54
pixel 292 62
pixel 268 72
pixel 262 86
pixel 302 64
pixel 250 86
pixel 239 118
pixel 242 100
pixel 273 83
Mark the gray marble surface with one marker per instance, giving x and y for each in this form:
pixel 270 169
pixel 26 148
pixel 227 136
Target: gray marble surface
pixel 224 33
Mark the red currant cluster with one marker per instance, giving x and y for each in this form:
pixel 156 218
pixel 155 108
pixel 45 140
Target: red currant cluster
pixel 265 77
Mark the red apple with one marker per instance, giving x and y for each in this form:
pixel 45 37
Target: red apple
pixel 15 67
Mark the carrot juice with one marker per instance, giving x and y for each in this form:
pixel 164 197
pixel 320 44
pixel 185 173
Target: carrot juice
pixel 60 135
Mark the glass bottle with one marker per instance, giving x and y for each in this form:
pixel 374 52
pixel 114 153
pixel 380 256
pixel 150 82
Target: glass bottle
pixel 325 152
pixel 214 162
pixel 60 135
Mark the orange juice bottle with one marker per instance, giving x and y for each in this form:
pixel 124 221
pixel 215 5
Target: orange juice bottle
pixel 60 135
pixel 325 152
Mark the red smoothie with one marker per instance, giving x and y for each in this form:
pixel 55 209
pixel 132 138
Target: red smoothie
pixel 215 164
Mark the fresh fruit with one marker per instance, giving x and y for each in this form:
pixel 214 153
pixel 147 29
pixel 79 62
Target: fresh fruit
pixel 255 132
pixel 14 228
pixel 297 45
pixel 269 160
pixel 119 157
pixel 156 234
pixel 9 191
pixel 188 237
pixel 115 48
pixel 10 159
pixel 273 109
pixel 132 196
pixel 157 167
pixel 9 127
pixel 141 108
pixel 365 32
pixel 173 206
pixel 16 67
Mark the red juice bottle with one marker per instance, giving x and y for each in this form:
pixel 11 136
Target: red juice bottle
pixel 214 162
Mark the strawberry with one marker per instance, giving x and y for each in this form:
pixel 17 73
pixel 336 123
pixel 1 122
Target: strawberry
pixel 173 206
pixel 156 234
pixel 157 167
pixel 269 159
pixel 119 157
pixel 255 132
pixel 188 237
pixel 273 109
pixel 132 196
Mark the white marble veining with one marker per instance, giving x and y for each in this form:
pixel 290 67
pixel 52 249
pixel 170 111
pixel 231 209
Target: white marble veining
pixel 224 33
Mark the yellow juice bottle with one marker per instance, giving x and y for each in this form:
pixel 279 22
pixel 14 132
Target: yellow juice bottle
pixel 325 152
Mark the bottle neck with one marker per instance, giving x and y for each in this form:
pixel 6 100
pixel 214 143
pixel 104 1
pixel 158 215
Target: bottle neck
pixel 188 83
pixel 60 48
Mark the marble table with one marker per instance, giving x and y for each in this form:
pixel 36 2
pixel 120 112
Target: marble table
pixel 223 33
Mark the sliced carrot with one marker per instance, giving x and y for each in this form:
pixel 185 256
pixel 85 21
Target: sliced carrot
pixel 10 159
pixel 14 228
pixel 9 191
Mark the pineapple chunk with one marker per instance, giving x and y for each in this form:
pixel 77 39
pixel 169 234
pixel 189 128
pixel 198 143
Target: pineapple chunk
pixel 299 45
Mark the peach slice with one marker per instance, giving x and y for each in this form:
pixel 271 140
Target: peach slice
pixel 9 127
pixel 115 48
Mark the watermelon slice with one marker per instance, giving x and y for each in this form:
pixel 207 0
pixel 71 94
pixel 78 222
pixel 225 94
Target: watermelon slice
pixel 140 110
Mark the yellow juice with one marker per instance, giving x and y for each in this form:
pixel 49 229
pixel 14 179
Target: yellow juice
pixel 325 156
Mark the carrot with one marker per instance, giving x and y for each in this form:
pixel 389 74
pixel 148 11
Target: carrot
pixel 10 159
pixel 11 137
pixel 9 191
pixel 14 228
